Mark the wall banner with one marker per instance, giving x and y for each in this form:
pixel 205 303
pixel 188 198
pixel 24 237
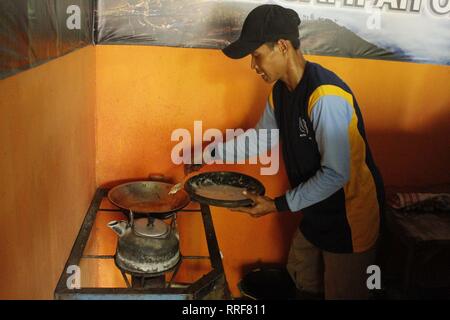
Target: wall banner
pixel 405 30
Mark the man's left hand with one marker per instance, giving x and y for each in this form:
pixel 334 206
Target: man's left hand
pixel 262 205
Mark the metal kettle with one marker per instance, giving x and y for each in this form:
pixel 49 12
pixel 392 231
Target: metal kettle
pixel 146 245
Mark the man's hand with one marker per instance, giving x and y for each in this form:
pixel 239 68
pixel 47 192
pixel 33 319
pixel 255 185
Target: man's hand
pixel 262 205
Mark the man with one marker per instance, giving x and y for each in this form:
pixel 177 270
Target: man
pixel 334 180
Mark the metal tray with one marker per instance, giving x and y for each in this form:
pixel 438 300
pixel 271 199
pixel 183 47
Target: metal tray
pixel 228 178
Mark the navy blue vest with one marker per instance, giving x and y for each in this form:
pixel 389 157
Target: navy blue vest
pixel 324 223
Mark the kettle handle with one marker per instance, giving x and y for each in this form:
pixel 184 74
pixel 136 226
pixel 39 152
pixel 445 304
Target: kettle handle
pixel 173 227
pixel 131 222
pixel 173 223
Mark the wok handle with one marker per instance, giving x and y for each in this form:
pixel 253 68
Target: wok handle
pixel 158 177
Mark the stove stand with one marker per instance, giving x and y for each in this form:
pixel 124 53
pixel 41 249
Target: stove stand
pixel 212 285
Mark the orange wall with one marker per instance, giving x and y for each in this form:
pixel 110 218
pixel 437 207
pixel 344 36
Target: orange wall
pixel 143 93
pixel 47 170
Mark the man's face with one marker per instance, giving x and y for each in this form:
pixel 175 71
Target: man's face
pixel 268 62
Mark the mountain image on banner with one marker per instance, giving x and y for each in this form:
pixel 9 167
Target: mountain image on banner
pixel 325 37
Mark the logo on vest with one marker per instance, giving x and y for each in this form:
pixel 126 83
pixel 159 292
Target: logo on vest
pixel 303 128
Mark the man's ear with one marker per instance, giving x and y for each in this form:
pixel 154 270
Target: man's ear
pixel 283 46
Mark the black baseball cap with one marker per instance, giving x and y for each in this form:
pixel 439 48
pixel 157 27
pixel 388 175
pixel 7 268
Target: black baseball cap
pixel 266 23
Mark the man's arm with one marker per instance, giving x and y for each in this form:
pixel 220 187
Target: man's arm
pixel 253 141
pixel 249 144
pixel 331 116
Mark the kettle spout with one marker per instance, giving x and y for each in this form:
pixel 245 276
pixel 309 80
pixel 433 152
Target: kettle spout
pixel 119 227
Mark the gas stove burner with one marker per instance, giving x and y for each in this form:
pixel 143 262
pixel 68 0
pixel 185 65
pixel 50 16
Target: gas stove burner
pixel 149 274
pixel 147 282
pixel 149 266
pixel 146 268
